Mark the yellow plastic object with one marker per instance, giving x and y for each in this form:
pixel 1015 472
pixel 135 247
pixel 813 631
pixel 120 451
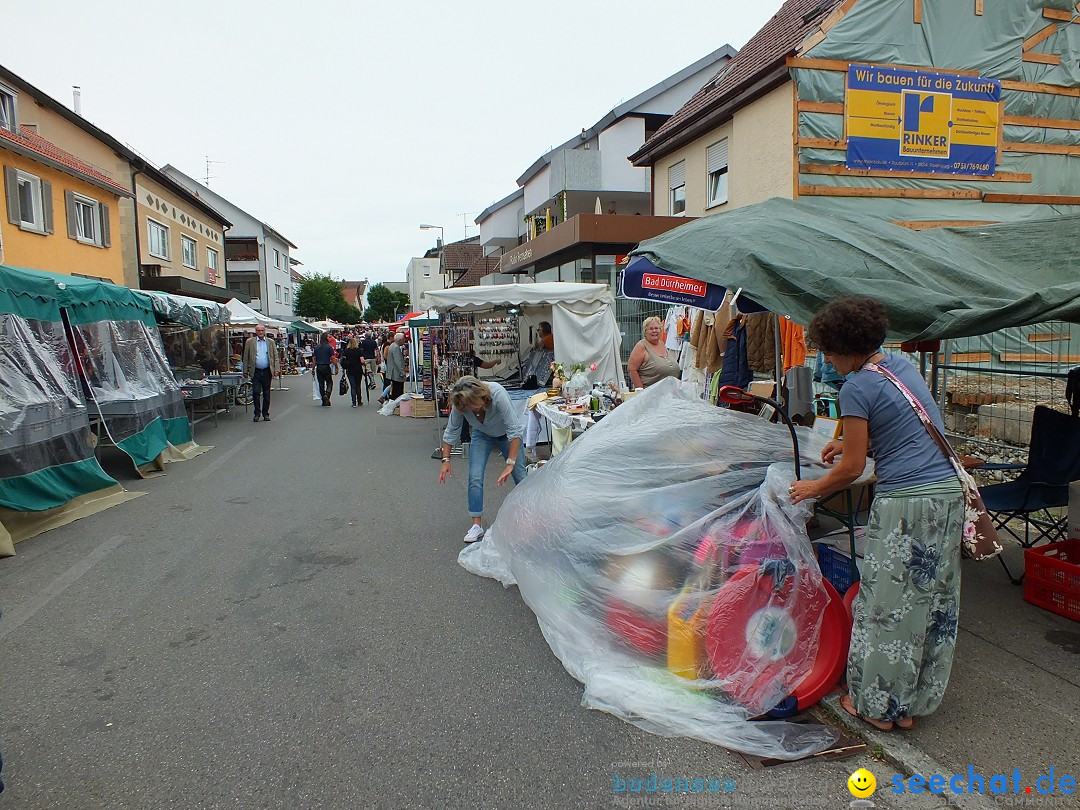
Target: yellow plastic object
pixel 686 632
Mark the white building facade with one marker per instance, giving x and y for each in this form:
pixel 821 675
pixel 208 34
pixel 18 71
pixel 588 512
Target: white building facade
pixel 256 255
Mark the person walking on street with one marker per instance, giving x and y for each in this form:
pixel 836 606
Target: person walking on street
pixel 395 367
pixel 325 359
pixel 369 347
pixel 352 361
pixel 496 425
pixel 261 365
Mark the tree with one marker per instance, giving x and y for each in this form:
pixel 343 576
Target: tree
pixel 321 297
pixel 384 304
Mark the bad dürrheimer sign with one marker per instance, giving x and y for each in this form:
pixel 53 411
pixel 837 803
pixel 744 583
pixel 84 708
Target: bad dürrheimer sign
pixel 921 121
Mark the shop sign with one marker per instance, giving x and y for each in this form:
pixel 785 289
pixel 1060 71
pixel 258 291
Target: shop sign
pixel 643 279
pixel 902 119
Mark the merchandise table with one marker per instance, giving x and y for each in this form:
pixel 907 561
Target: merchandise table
pixel 202 392
pixel 563 425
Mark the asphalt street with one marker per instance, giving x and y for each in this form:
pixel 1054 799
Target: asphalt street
pixel 282 622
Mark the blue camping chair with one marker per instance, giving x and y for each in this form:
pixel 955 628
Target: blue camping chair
pixel 1053 461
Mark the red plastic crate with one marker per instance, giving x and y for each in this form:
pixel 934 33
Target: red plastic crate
pixel 1052 577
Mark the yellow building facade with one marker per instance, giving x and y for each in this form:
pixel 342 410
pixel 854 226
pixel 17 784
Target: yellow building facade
pixel 59 220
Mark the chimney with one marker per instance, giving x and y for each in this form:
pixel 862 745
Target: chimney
pixel 76 93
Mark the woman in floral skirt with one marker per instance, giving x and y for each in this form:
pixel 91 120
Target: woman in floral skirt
pixel 905 615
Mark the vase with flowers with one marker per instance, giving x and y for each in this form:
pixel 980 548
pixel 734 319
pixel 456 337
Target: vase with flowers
pixel 578 384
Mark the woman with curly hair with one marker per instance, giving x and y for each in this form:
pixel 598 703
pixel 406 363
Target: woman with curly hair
pixel 905 615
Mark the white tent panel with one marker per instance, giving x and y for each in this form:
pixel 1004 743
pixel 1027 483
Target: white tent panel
pixel 582 318
pixel 240 314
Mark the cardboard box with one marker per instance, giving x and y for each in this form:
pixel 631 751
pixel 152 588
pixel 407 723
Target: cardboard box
pixel 1074 510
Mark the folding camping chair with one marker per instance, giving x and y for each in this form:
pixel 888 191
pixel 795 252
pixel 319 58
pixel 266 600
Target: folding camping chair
pixel 1053 461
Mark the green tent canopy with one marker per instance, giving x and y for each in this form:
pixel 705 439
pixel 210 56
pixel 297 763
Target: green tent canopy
pixel 792 257
pixel 304 327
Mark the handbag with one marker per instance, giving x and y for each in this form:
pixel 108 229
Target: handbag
pixel 980 539
pixel 343 386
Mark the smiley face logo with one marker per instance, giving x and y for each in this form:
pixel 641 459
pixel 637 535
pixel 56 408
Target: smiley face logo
pixel 862 784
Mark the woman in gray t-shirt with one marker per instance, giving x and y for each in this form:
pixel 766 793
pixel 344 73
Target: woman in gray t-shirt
pixel 905 615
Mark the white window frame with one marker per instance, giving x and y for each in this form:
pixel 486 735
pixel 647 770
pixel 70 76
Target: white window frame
pixel 677 188
pixel 186 241
pixel 212 261
pixel 717 162
pixel 277 293
pixel 93 218
pixel 9 109
pixel 150 223
pixel 37 204
pixel 286 294
pixel 277 258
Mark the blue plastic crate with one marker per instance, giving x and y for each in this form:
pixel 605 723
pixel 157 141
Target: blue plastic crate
pixel 835 566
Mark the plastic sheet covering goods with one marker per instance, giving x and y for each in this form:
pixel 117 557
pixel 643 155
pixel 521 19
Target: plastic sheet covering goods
pixel 669 572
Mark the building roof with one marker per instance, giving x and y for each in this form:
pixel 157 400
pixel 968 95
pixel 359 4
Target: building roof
pixel 34 146
pixel 353 291
pixel 627 107
pixel 518 193
pixel 765 53
pixel 465 263
pixel 137 161
pixel 195 187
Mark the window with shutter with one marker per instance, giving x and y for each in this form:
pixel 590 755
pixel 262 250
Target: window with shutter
pixel 677 188
pixel 26 201
pixel 87 216
pixel 716 159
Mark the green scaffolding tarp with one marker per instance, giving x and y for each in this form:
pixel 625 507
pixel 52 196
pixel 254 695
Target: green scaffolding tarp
pixel 791 258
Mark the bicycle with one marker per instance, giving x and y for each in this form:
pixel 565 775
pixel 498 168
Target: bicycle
pixel 244 394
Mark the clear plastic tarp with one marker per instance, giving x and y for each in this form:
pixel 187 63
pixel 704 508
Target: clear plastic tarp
pixel 43 422
pixel 671 575
pixel 130 383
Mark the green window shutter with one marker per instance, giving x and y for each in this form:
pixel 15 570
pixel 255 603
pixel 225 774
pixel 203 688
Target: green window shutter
pixel 72 217
pixel 46 205
pixel 11 189
pixel 106 237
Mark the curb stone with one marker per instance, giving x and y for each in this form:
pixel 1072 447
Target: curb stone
pixel 908 759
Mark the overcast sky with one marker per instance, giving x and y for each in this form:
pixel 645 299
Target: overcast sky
pixel 345 125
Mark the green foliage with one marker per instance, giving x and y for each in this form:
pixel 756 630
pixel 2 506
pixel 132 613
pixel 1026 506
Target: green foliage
pixel 384 304
pixel 321 297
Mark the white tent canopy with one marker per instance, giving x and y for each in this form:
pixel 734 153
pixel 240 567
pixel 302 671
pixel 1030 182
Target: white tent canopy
pixel 328 325
pixel 582 317
pixel 240 314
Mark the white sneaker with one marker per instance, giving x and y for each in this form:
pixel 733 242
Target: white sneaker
pixel 476 532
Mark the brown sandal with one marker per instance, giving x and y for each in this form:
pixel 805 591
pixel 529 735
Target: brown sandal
pixel 907 724
pixel 849 707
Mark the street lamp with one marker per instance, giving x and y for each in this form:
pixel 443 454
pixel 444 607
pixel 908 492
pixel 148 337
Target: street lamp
pixel 442 242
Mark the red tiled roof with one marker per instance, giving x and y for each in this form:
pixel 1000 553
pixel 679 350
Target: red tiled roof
pixel 777 39
pixel 35 143
pixel 482 266
pixel 353 291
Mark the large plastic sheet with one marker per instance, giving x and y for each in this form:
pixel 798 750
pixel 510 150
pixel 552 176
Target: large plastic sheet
pixel 669 572
pixel 130 385
pixel 43 423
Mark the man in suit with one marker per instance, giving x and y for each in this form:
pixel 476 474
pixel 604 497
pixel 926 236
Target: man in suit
pixel 261 365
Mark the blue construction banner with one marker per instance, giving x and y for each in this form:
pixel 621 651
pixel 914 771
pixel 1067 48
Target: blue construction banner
pixel 903 119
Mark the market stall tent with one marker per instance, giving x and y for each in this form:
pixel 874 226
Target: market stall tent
pixel 240 314
pixel 791 257
pixel 49 474
pixel 582 317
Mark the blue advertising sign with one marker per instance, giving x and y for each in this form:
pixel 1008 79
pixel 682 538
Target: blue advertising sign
pixel 643 279
pixel 903 119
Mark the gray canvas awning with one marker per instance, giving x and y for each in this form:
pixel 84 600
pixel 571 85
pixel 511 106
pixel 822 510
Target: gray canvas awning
pixel 792 257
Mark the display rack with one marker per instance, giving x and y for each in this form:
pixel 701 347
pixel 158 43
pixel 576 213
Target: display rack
pixel 497 337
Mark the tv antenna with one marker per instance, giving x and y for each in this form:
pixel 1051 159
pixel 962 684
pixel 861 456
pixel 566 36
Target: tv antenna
pixel 465 222
pixel 208 177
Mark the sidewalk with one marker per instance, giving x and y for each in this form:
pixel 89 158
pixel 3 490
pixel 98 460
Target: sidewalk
pixel 1014 697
